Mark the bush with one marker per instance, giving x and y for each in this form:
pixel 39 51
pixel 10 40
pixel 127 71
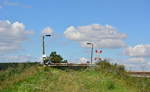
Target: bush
pixel 106 67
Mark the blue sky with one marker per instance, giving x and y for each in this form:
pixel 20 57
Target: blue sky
pixel 130 17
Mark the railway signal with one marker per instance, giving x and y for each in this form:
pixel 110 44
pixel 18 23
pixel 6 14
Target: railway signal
pixel 98 52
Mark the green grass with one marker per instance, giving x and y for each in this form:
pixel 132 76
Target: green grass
pixel 45 79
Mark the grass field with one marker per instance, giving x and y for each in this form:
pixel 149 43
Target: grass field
pixel 44 79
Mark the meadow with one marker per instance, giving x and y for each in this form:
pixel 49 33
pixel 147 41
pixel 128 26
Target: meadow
pixel 104 77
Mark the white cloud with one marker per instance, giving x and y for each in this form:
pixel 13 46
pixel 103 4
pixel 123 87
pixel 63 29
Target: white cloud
pixel 12 35
pixel 47 30
pixel 133 63
pixel 138 51
pixel 138 56
pixel 102 36
pixel 136 59
pixel 79 60
pixel 83 60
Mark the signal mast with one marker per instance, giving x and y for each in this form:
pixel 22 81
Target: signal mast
pixel 98 53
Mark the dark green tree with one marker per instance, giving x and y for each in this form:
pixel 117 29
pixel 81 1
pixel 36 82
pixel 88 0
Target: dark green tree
pixel 64 61
pixel 55 58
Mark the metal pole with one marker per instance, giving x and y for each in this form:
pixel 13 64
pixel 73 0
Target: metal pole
pixel 43 50
pixel 92 54
pixel 44 56
pixel 43 46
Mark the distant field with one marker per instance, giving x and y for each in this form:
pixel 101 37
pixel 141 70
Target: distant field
pixel 140 74
pixel 37 78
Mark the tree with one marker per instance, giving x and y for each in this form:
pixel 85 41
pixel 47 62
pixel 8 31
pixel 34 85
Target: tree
pixel 55 58
pixel 64 61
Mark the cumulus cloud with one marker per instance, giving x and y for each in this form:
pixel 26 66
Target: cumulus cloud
pixel 47 30
pixel 12 35
pixel 138 55
pixel 83 60
pixel 102 36
pixel 136 59
pixel 133 63
pixel 138 51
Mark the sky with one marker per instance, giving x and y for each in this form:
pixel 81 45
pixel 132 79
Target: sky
pixel 120 28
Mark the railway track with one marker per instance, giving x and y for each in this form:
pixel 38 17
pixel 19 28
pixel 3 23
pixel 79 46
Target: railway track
pixel 140 74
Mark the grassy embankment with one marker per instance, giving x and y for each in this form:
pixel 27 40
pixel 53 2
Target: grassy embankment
pixel 44 79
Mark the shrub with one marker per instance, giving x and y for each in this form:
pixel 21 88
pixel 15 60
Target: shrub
pixel 106 67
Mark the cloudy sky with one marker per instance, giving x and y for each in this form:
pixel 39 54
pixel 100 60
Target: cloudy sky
pixel 120 28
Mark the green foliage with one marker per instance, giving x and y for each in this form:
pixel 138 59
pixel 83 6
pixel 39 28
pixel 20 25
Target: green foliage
pixel 106 67
pixel 110 86
pixel 64 61
pixel 4 66
pixel 54 58
pixel 14 69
